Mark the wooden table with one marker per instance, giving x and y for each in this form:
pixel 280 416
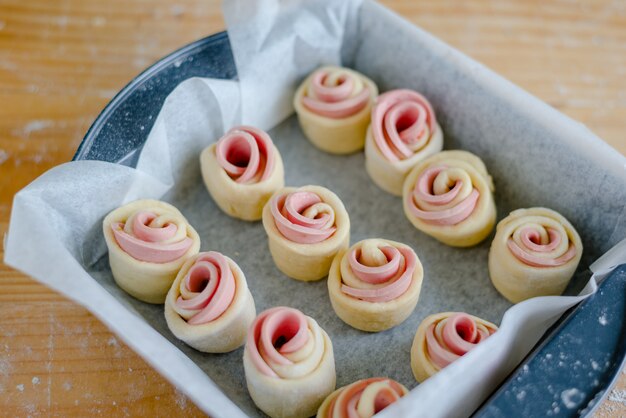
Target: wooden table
pixel 61 61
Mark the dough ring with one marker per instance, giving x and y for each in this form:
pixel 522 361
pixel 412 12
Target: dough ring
pixel 306 227
pixel 148 242
pixel 209 305
pixel 535 253
pixel 289 364
pixel 449 196
pixel 375 284
pixel 333 106
pixel 242 171
pixel 443 338
pixel 403 132
pixel 362 399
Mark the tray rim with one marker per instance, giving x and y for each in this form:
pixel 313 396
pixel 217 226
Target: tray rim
pixel 135 83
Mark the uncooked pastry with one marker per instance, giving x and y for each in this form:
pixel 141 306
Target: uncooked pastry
pixel 403 132
pixel 443 338
pixel 362 399
pixel 289 364
pixel 449 196
pixel 148 242
pixel 333 106
pixel 242 171
pixel 375 284
pixel 535 253
pixel 209 305
pixel 306 227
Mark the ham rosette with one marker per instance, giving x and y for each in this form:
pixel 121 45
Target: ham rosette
pixel 288 363
pixel 148 242
pixel 375 284
pixel 450 197
pixel 306 227
pixel 241 171
pixel 362 399
pixel 333 106
pixel 403 132
pixel 209 305
pixel 535 253
pixel 443 338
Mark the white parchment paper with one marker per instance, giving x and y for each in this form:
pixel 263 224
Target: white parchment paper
pixel 536 155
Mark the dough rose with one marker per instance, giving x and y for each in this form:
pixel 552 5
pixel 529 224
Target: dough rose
pixel 535 253
pixel 242 171
pixel 403 132
pixel 148 242
pixel 449 197
pixel 443 338
pixel 362 399
pixel 333 106
pixel 305 227
pixel 209 305
pixel 375 284
pixel 289 364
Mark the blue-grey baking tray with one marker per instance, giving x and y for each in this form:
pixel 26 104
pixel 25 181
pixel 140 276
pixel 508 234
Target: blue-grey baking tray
pixel 567 373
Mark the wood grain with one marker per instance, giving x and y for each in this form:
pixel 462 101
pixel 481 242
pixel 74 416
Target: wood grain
pixel 61 61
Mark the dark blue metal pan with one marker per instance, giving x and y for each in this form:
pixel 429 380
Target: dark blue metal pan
pixel 569 372
pixel 590 337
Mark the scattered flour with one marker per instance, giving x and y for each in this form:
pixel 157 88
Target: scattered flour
pixel 3 156
pixel 572 398
pixel 107 93
pixel 33 126
pixel 602 320
pixel 177 10
pixel 181 400
pixel 20 387
pixel 61 21
pixel 5 367
pixel 521 395
pixel 67 386
pixel 99 21
pixel 618 396
pixel 36 380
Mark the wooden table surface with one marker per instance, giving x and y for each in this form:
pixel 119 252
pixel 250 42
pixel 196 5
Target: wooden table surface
pixel 61 61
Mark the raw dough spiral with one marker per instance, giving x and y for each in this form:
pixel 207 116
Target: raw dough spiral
pixel 333 106
pixel 535 253
pixel 209 305
pixel 449 197
pixel 242 171
pixel 305 227
pixel 289 364
pixel 375 284
pixel 403 132
pixel 148 242
pixel 443 338
pixel 362 399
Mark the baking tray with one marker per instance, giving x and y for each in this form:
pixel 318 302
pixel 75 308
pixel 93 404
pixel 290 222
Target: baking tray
pixel 560 361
